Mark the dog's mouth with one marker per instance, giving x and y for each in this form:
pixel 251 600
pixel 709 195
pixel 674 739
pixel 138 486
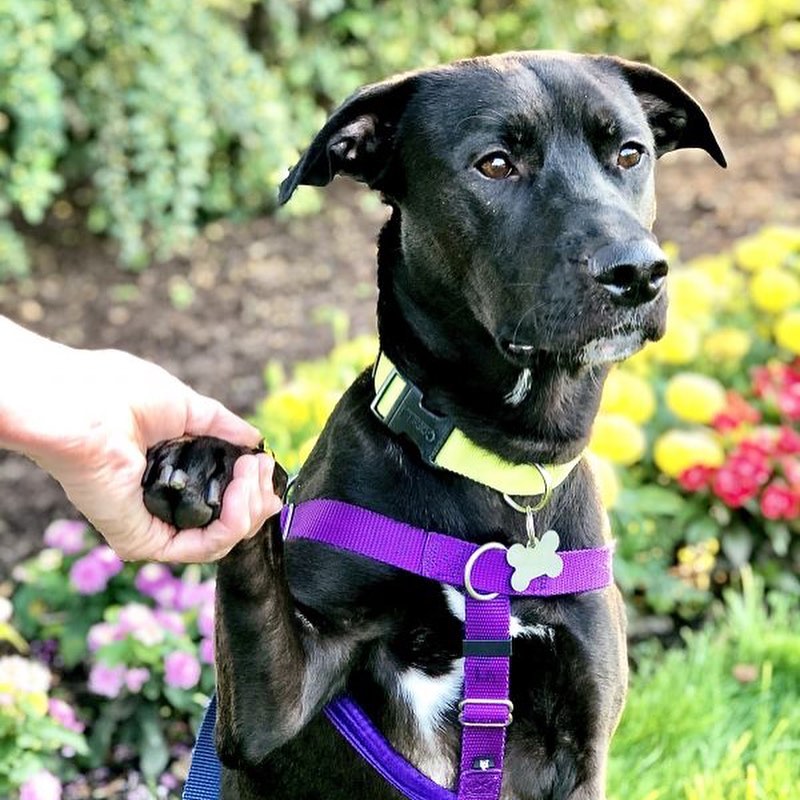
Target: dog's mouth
pixel 607 347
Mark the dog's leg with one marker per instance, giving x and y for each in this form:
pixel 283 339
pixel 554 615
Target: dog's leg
pixel 274 669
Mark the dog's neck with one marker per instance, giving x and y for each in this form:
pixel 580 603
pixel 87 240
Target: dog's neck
pixel 432 337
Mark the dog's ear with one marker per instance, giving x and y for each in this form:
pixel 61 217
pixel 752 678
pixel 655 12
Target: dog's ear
pixel 357 140
pixel 675 117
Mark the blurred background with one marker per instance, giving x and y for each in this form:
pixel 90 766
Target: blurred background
pixel 141 144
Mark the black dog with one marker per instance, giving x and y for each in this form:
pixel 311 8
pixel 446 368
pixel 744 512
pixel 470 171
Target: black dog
pixel 517 265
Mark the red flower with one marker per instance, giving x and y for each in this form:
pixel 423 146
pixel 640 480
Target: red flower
pixel 737 411
pixel 789 400
pixel 788 441
pixel 779 501
pixel 739 479
pixel 696 478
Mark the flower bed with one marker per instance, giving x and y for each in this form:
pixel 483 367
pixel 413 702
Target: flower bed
pixel 696 450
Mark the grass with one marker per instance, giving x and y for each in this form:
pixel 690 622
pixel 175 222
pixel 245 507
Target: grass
pixel 719 719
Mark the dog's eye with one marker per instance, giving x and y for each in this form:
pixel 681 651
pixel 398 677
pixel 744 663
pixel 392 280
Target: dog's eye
pixel 496 166
pixel 630 155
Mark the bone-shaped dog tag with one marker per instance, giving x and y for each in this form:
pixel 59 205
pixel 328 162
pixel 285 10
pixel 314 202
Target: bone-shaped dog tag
pixel 534 560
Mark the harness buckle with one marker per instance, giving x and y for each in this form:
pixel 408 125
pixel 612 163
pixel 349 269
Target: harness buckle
pixel 468 571
pixel 479 701
pixel 409 417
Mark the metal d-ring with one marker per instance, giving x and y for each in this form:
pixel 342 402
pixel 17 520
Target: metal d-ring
pixel 543 501
pixel 471 563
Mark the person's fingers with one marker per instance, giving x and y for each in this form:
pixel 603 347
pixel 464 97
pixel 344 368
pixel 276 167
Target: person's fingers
pixel 246 504
pixel 207 417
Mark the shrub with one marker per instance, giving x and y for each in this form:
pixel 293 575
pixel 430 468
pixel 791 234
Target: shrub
pixel 158 107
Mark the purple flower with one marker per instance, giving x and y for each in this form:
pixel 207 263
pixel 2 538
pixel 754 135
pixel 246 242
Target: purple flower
pixel 64 714
pixel 66 535
pixel 166 595
pixel 181 670
pixel 170 621
pixel 136 678
pixel 101 634
pixel 139 621
pixel 111 562
pixel 205 620
pixel 107 681
pixel 152 577
pixel 207 651
pixel 88 575
pixel 42 786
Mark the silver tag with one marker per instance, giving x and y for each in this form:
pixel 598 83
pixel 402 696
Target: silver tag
pixel 538 558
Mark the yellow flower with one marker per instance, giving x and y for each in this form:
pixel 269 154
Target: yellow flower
pixel 605 477
pixel 677 450
pixel 692 293
pixel 727 344
pixel 787 331
pixel 680 344
pixel 35 702
pixel 618 439
pixel 694 397
pixel 629 395
pixel 767 249
pixel 774 290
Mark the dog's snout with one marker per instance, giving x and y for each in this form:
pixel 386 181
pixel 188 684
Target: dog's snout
pixel 632 272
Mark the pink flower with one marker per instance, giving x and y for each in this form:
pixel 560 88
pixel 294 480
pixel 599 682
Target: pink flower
pixel 66 535
pixel 170 621
pixel 136 678
pixel 64 714
pixel 107 681
pixel 88 575
pixel 788 441
pixel 151 577
pixel 110 561
pixel 42 786
pixel 101 634
pixel 696 478
pixel 779 501
pixel 181 670
pixel 205 620
pixel 207 651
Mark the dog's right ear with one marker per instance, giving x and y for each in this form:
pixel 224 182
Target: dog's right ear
pixel 357 140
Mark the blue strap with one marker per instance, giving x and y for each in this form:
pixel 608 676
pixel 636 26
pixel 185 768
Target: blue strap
pixel 205 772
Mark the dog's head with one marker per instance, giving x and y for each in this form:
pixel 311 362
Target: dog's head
pixel 525 189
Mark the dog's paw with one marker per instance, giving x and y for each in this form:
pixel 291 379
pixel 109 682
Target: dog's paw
pixel 185 479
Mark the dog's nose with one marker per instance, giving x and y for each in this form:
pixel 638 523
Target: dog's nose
pixel 633 272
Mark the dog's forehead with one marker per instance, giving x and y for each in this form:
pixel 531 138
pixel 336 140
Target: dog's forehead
pixel 537 90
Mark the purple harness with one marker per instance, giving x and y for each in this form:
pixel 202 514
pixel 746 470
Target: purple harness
pixel 485 710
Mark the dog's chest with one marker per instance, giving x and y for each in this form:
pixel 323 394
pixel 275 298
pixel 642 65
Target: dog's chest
pixel 430 702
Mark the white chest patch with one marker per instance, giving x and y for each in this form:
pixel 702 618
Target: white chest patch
pixel 457 605
pixel 430 697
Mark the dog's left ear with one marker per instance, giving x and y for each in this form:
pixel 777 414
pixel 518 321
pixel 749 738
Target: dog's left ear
pixel 357 140
pixel 675 117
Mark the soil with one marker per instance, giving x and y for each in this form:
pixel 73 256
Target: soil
pixel 245 294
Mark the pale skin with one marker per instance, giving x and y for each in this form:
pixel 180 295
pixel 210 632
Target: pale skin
pixel 88 417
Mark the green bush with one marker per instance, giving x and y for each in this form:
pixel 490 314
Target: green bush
pixel 167 113
pixel 157 106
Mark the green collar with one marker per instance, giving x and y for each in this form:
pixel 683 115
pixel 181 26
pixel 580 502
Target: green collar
pixel 398 404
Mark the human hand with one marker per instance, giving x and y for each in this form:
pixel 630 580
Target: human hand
pixel 89 417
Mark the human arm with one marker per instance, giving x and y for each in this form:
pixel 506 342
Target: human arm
pixel 88 417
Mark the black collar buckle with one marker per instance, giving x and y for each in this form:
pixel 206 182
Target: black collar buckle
pixel 408 417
